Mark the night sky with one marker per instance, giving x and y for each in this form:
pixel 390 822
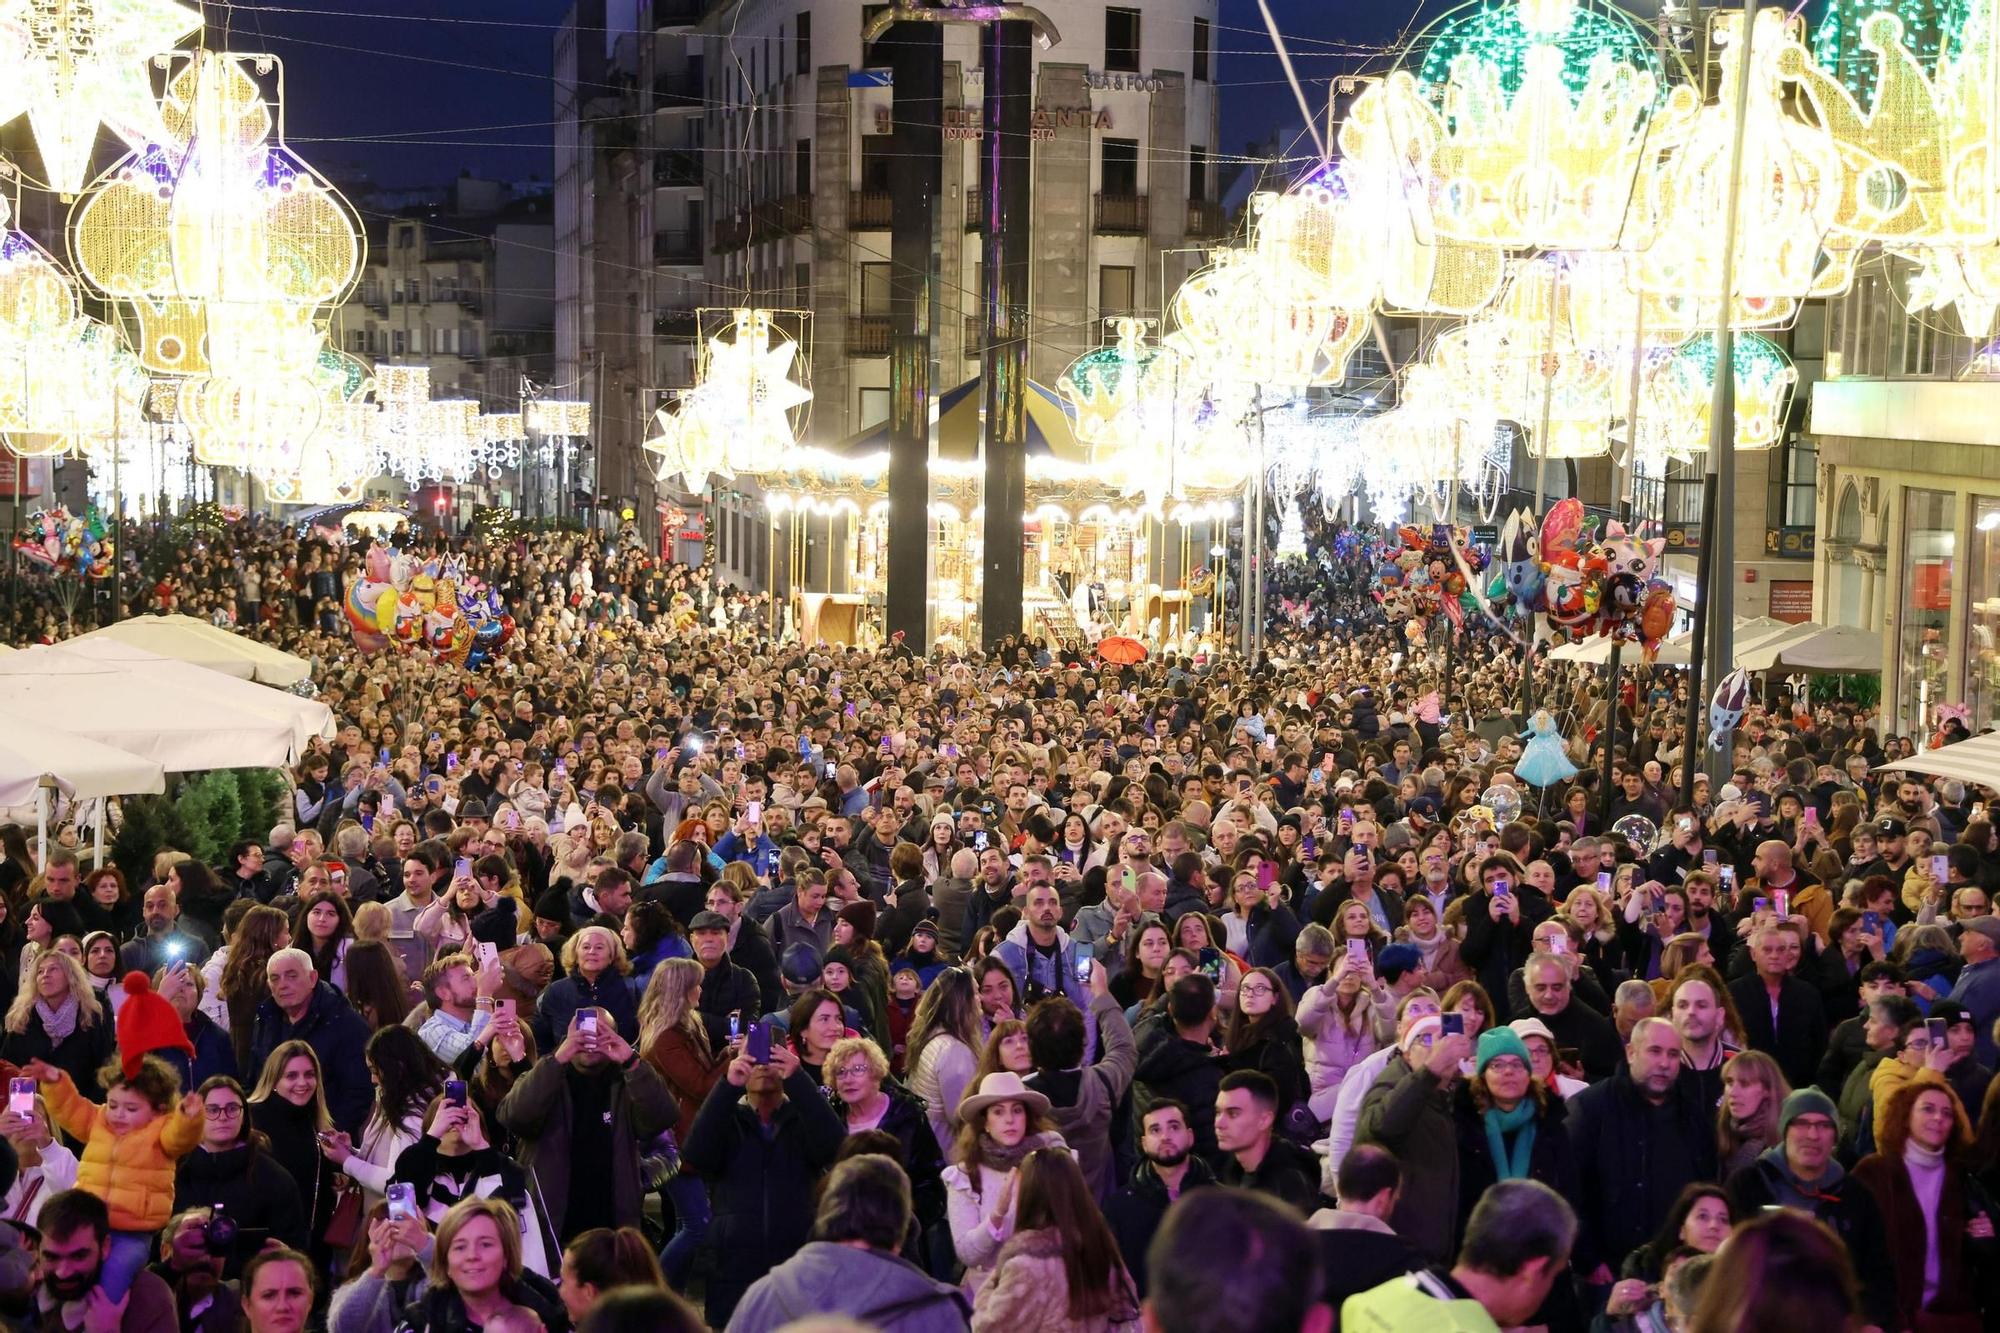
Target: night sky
pixel 411 92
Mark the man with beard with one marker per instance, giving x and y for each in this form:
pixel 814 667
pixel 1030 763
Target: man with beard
pixel 1167 1169
pixel 205 1302
pixel 76 1238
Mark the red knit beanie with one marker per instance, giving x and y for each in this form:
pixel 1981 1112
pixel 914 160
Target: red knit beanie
pixel 147 1023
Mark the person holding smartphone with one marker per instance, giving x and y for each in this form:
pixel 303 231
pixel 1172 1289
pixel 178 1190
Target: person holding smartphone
pixel 1500 921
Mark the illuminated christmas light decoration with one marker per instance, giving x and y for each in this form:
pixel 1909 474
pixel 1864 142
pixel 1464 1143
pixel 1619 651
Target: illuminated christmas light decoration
pixel 1438 438
pixel 1521 363
pixel 1677 394
pixel 1528 120
pixel 1236 325
pixel 744 412
pixel 547 416
pixel 1841 44
pixel 72 66
pixel 65 392
pixel 37 296
pixel 1791 177
pixel 1421 269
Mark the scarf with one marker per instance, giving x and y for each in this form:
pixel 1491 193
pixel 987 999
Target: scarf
pixel 58 1023
pixel 1499 1124
pixel 1000 1157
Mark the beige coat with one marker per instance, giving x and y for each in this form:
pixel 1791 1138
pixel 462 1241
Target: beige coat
pixel 1030 1290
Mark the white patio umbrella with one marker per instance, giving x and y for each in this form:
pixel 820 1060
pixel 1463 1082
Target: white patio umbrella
pixel 1835 648
pixel 179 729
pixel 38 762
pixel 198 643
pixel 306 717
pixel 1976 761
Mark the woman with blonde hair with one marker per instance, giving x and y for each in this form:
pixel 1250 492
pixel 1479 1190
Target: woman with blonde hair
pixel 1746 1122
pixel 56 1017
pixel 674 1039
pixel 478 1277
pixel 1681 951
pixel 594 971
pixel 288 1107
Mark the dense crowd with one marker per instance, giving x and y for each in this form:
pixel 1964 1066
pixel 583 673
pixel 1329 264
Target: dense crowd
pixel 661 975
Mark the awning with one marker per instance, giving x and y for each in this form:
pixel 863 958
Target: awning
pixel 1976 761
pixel 81 769
pixel 180 730
pixel 1762 652
pixel 1835 648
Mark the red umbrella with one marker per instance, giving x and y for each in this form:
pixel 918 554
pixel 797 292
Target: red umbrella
pixel 1121 651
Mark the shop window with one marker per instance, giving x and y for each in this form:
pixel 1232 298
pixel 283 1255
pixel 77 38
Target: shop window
pixel 1982 649
pixel 1923 639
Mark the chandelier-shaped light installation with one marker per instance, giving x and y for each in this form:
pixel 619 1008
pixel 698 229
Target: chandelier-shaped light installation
pixel 1678 393
pixel 745 410
pixel 73 66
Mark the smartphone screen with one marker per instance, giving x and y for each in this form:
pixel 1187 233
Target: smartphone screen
pixel 1502 887
pixel 586 1023
pixel 754 812
pixel 735 1026
pixel 21 1096
pixel 1940 868
pixel 1084 953
pixel 1604 881
pixel 1781 902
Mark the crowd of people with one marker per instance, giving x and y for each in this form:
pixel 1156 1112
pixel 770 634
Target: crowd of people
pixel 662 975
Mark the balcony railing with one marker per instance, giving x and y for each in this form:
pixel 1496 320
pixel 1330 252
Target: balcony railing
pixel 676 247
pixel 785 216
pixel 1206 219
pixel 1121 214
pixel 868 335
pixel 871 209
pixel 676 166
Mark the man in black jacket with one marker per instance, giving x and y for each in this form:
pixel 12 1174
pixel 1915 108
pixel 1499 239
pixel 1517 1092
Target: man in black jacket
pixel 1180 1063
pixel 1167 1169
pixel 1500 921
pixel 1638 1138
pixel 1795 1034
pixel 725 988
pixel 1572 1022
pixel 1254 1156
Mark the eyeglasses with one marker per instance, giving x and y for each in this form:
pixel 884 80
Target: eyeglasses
pixel 853 1071
pixel 1506 1064
pixel 227 1111
pixel 1255 990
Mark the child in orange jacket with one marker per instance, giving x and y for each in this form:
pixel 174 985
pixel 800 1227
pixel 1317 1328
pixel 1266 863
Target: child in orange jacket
pixel 130 1143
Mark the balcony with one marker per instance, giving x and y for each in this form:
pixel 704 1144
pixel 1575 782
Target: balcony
pixel 786 216
pixel 676 324
pixel 868 335
pixel 1121 215
pixel 471 302
pixel 870 209
pixel 676 167
pixel 676 247
pixel 731 233
pixel 1206 220
pixel 677 91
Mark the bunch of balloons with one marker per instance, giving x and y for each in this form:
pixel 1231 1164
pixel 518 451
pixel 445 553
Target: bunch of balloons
pixel 1419 573
pixel 1571 581
pixel 395 600
pixel 65 543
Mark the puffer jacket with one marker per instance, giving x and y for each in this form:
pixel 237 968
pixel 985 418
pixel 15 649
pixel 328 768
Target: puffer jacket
pixel 133 1173
pixel 442 1310
pixel 1334 1042
pixel 1030 1289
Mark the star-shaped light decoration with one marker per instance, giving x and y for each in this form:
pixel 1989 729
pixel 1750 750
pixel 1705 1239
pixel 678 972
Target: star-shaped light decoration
pixel 743 413
pixel 73 65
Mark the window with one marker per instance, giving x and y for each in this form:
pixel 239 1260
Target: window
pixel 878 161
pixel 416 342
pixel 371 292
pixel 1120 167
pixel 357 341
pixel 1201 40
pixel 803 41
pixel 1115 285
pixel 406 238
pixel 398 344
pixel 1681 503
pixel 802 285
pixel 1121 39
pixel 468 341
pixel 874 408
pixel 1795 482
pixel 802 166
pixel 396 291
pixel 1197 174
pixel 875 289
pixel 694 221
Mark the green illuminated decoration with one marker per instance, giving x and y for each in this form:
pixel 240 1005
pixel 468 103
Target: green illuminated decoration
pixel 1931 29
pixel 1504 34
